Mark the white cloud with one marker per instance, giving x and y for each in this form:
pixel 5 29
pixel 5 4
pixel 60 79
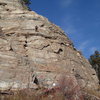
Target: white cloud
pixel 83 45
pixel 66 3
pixel 70 29
pixel 93 49
pixel 68 24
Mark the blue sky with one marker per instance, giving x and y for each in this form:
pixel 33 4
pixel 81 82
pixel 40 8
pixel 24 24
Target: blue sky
pixel 80 19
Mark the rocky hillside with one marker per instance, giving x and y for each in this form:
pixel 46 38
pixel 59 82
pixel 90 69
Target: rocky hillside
pixel 36 53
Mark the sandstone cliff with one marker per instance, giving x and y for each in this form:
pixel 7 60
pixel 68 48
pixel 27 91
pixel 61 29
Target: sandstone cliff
pixel 35 52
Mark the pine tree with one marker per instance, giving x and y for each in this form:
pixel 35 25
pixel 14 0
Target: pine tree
pixel 95 62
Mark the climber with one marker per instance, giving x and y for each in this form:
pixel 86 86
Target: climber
pixel 36 28
pixel 1 33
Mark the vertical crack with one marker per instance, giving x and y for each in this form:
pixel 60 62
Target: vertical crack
pixel 25 45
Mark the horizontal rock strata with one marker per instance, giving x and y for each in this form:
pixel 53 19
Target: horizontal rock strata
pixel 34 51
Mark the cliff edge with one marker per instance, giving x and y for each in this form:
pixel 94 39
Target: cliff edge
pixel 36 53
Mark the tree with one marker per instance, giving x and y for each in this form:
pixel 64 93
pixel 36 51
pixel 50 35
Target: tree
pixel 95 62
pixel 27 2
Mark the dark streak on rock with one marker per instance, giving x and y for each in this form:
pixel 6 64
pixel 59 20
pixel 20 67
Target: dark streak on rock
pixel 59 51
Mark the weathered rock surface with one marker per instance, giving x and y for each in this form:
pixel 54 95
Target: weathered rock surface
pixel 34 52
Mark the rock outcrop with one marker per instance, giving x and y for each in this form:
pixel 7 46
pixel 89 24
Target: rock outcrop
pixel 34 52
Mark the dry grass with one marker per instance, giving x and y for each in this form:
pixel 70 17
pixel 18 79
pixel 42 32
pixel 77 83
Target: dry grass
pixel 64 91
pixel 93 93
pixel 34 95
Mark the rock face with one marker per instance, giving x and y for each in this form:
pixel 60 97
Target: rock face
pixel 34 51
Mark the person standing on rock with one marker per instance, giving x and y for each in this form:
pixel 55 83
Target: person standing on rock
pixel 36 28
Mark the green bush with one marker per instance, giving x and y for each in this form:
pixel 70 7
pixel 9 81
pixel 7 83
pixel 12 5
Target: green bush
pixel 27 2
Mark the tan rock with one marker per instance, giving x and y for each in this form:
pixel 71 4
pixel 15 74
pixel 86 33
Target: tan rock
pixel 26 52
